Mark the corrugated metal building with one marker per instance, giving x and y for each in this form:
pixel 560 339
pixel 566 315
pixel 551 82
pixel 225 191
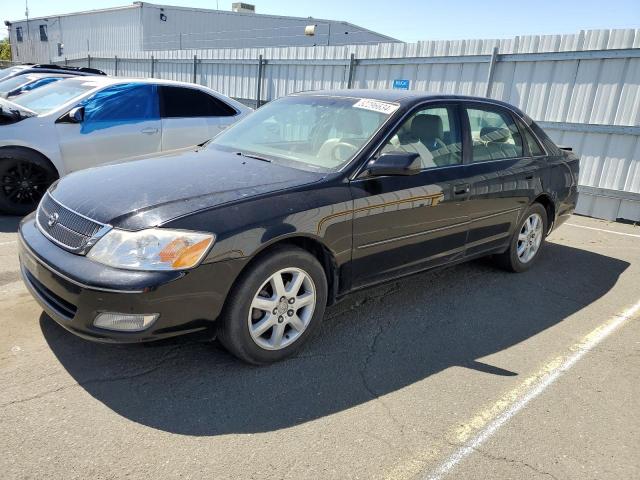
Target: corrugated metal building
pixel 146 26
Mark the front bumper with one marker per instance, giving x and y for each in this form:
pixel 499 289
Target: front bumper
pixel 73 290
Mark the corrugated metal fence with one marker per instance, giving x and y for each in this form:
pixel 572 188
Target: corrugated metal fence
pixel 584 89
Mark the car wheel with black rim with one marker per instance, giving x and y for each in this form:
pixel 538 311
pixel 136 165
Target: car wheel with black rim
pixel 527 241
pixel 275 306
pixel 24 178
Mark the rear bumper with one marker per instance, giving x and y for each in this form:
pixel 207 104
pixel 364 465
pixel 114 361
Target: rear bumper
pixel 73 290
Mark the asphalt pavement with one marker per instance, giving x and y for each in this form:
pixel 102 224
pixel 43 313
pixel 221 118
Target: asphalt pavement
pixel 466 372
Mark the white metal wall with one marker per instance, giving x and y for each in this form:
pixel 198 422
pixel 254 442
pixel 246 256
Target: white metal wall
pixel 140 27
pixel 186 28
pixel 117 29
pixel 584 89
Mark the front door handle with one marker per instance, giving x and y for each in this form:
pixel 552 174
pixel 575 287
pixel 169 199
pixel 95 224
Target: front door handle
pixel 462 189
pixel 149 131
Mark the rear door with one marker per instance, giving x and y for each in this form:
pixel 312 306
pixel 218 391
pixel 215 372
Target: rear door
pixel 191 116
pixel 504 176
pixel 408 223
pixel 120 122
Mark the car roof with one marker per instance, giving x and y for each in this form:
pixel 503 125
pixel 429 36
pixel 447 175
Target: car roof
pixel 403 97
pixel 39 75
pixel 102 81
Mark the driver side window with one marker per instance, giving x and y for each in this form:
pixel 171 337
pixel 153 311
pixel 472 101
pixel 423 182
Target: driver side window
pixel 433 133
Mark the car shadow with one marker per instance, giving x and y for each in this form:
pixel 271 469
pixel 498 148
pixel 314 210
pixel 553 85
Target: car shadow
pixel 373 343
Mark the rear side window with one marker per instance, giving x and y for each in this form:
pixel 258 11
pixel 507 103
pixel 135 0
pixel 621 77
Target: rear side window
pixel 179 102
pixel 120 104
pixel 494 135
pixel 534 147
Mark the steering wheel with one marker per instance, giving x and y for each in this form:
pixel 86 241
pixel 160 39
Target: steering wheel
pixel 335 151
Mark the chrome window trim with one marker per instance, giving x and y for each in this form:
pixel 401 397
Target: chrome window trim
pixel 460 103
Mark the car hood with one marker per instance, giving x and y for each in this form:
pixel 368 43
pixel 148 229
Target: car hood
pixel 149 192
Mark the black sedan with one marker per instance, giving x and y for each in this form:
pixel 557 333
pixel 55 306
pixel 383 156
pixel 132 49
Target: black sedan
pixel 309 198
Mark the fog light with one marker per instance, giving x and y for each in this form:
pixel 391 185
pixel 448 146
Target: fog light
pixel 124 321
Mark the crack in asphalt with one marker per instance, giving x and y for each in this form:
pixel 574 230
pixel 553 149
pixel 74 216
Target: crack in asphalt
pixel 170 354
pixel 513 461
pixel 371 352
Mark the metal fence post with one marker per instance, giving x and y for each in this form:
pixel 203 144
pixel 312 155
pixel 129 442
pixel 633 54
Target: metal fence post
pixel 116 66
pixel 66 61
pixel 195 68
pixel 88 60
pixel 153 66
pixel 352 70
pixel 259 82
pixel 492 67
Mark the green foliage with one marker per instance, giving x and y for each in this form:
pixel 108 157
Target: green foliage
pixel 5 50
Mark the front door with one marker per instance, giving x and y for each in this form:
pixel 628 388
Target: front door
pixel 120 122
pixel 408 223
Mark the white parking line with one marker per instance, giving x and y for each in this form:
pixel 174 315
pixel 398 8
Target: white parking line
pixel 11 242
pixel 603 230
pixel 552 374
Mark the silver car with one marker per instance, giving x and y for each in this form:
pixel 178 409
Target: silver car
pixel 82 122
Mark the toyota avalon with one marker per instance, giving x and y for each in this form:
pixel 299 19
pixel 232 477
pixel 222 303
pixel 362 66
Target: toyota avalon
pixel 313 196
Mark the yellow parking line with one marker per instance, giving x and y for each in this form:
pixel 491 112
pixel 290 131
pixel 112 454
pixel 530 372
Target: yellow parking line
pixel 481 427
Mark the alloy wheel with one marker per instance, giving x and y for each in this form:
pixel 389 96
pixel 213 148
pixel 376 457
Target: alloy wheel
pixel 24 183
pixel 282 309
pixel 530 238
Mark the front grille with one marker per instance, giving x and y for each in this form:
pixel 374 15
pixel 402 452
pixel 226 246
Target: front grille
pixel 67 228
pixel 57 304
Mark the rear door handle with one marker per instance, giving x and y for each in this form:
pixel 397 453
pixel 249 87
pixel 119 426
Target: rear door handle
pixel 462 189
pixel 149 131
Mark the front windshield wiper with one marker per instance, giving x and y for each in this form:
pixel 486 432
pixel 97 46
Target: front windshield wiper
pixel 256 157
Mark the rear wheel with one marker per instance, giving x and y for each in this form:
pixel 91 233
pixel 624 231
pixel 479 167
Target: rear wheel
pixel 526 242
pixel 275 306
pixel 24 178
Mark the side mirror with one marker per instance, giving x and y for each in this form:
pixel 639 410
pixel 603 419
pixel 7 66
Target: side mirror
pixel 395 163
pixel 75 115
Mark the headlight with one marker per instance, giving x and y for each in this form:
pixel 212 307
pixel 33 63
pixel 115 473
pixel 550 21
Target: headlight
pixel 153 249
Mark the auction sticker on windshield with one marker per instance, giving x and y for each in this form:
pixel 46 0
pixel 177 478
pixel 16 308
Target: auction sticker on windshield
pixel 376 106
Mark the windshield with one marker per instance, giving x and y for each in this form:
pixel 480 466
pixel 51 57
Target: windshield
pixel 36 84
pixel 323 133
pixel 14 82
pixel 4 73
pixel 50 97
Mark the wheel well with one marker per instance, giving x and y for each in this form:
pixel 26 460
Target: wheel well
pixel 320 252
pixel 30 151
pixel 549 206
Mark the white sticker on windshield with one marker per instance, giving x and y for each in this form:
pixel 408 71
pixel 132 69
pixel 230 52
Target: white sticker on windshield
pixel 376 106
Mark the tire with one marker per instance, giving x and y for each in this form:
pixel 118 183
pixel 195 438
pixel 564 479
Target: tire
pixel 527 241
pixel 270 332
pixel 24 178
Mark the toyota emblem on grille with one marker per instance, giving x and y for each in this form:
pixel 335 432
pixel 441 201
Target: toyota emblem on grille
pixel 53 218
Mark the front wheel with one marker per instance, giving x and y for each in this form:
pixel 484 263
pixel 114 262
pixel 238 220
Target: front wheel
pixel 24 178
pixel 527 241
pixel 275 306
